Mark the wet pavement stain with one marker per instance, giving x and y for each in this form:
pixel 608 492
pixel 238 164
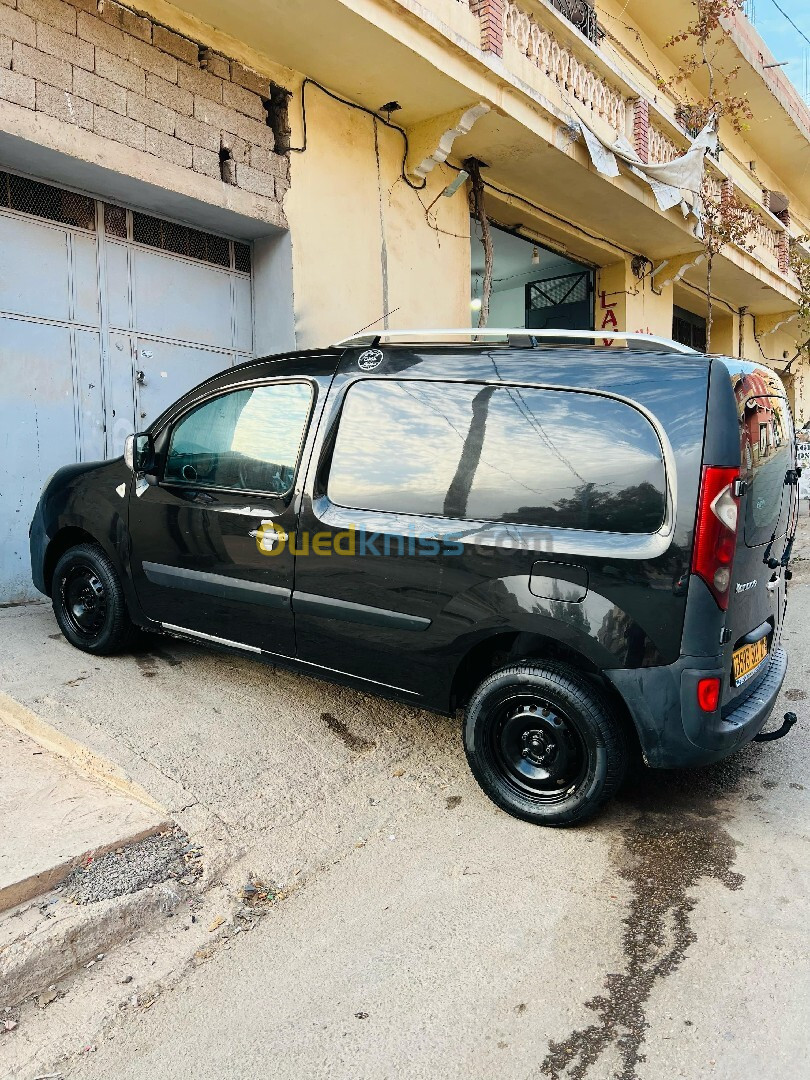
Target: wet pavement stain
pixel 673 842
pixel 452 801
pixel 147 665
pixel 662 860
pixel 167 657
pixel 796 695
pixel 349 738
pixel 149 662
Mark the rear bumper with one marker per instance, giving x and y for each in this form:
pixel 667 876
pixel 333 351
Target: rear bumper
pixel 674 731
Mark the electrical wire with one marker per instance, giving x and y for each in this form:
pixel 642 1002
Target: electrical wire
pixel 800 32
pixel 360 108
pixel 548 213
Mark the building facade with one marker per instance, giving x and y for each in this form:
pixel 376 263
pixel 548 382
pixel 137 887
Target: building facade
pixel 183 186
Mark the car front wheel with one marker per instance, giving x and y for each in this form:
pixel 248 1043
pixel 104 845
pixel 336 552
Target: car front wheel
pixel 544 744
pixel 89 603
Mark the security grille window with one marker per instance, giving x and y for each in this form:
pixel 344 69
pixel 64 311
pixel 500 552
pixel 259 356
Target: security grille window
pixel 688 329
pixel 248 440
pixel 71 208
pixel 180 239
pixel 564 302
pixel 498 453
pixel 241 257
pixel 115 221
pixel 183 240
pixel 45 201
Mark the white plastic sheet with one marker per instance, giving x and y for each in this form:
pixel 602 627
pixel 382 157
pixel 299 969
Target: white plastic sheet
pixel 674 183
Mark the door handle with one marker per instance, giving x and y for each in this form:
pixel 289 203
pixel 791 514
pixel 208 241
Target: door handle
pixel 269 534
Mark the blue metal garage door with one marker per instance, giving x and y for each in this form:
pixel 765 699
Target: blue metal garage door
pixel 106 316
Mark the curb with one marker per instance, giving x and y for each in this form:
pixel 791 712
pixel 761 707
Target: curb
pixel 80 756
pixel 22 892
pixel 70 936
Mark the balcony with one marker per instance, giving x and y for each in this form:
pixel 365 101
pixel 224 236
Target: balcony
pixel 531 62
pixel 581 14
pixel 600 91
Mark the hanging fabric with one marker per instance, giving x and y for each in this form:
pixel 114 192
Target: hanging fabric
pixel 674 183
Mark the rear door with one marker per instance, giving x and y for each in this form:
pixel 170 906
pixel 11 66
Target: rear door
pixel 432 498
pixel 767 518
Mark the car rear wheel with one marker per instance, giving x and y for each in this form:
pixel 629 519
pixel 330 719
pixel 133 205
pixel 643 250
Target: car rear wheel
pixel 89 603
pixel 544 744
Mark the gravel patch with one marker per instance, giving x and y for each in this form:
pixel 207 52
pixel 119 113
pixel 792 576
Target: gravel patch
pixel 130 869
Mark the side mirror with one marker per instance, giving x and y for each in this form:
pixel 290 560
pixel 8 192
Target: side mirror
pixel 139 453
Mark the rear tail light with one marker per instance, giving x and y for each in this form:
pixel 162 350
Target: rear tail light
pixel 716 532
pixel 708 694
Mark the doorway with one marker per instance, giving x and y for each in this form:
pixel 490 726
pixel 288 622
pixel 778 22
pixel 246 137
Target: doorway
pixel 107 315
pixel 688 329
pixel 533 287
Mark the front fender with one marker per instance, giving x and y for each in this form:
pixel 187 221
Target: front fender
pixel 92 498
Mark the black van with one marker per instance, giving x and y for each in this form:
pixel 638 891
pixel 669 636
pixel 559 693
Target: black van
pixel 584 548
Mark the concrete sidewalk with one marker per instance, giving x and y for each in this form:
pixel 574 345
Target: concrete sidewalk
pixel 52 817
pixel 63 808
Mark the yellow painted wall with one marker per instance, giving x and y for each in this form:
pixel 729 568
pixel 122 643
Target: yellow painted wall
pixel 361 240
pixel 638 306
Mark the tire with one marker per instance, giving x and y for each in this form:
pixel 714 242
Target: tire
pixel 89 603
pixel 544 744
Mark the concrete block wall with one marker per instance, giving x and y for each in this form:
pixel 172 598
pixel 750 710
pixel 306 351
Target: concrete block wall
pixel 100 66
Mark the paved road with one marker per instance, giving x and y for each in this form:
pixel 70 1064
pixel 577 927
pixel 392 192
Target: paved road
pixel 433 935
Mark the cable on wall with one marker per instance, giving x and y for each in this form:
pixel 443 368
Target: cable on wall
pixel 360 108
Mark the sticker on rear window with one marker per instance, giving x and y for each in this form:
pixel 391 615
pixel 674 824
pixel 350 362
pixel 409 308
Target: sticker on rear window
pixel 370 359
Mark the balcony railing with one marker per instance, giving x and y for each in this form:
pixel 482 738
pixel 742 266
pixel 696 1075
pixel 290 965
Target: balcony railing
pixel 582 15
pixel 763 239
pixel 559 63
pixel 661 149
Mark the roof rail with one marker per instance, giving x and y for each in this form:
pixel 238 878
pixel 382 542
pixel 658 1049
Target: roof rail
pixel 511 335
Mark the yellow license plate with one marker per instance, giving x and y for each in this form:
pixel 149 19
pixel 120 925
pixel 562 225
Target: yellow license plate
pixel 747 659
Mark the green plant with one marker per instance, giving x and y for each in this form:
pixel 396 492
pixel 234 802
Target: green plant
pixel 725 219
pixel 800 265
pixel 708 36
pixel 706 89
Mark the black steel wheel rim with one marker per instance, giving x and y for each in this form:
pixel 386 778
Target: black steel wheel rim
pixel 537 748
pixel 84 601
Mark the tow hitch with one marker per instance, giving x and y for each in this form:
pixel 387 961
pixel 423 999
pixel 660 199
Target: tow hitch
pixel 771 736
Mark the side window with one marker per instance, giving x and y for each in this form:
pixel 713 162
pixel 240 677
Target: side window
pixel 498 453
pixel 248 440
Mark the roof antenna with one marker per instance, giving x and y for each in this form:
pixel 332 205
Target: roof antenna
pixel 383 316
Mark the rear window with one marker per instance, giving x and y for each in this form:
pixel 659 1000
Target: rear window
pixel 495 453
pixel 766 453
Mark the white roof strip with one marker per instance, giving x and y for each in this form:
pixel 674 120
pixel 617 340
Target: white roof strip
pixel 475 336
